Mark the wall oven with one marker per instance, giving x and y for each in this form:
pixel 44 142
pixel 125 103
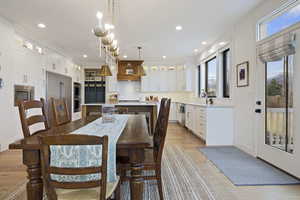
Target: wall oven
pixel 77 97
pixel 23 93
pixel 182 114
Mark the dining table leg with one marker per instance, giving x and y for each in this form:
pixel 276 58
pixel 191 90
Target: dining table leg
pixel 31 158
pixel 136 181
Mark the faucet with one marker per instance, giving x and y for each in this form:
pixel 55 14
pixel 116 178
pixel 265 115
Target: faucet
pixel 203 94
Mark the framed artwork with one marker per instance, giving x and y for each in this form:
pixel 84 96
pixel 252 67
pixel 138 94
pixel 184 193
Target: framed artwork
pixel 243 74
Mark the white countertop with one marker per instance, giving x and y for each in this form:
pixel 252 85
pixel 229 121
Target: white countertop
pixel 123 104
pixel 204 105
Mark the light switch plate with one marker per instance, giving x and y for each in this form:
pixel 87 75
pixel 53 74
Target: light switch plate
pixel 1 83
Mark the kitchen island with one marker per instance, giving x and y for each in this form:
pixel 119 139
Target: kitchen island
pixel 148 108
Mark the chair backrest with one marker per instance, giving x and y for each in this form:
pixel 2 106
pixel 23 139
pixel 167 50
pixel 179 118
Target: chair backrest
pixel 47 170
pixel 161 127
pixel 24 108
pixel 60 111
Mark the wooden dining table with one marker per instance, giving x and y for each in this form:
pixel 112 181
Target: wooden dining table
pixel 133 141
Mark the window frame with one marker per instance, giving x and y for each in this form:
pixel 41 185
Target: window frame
pixel 226 77
pixel 206 75
pixel 199 80
pixel 275 13
pixel 286 72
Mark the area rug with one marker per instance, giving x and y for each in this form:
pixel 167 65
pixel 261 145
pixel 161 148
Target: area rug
pixel 182 180
pixel 243 169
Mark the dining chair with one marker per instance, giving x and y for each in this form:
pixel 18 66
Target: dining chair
pixel 25 107
pixel 95 189
pixel 60 111
pixel 153 155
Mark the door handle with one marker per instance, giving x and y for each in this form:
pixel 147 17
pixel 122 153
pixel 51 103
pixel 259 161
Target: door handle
pixel 258 110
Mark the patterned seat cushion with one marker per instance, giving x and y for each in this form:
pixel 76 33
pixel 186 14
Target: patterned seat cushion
pixel 86 194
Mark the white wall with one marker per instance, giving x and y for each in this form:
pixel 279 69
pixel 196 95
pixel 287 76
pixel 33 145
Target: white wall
pixel 17 62
pixel 129 90
pixel 242 42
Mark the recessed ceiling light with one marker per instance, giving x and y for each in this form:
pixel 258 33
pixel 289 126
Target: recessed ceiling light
pixel 125 56
pixel 204 43
pixel 164 57
pixel 41 25
pixel 196 50
pixel 178 28
pixel 85 56
pixel 222 43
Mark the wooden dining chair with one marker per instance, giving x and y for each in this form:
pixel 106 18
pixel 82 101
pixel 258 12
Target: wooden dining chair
pixel 153 155
pixel 60 111
pixel 96 189
pixel 27 121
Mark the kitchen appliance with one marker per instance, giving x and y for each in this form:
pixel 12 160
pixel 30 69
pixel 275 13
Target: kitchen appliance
pixel 77 97
pixel 23 93
pixel 58 87
pixel 182 114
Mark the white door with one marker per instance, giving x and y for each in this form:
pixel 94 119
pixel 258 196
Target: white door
pixel 277 118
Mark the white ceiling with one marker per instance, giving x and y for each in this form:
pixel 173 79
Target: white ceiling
pixel 147 23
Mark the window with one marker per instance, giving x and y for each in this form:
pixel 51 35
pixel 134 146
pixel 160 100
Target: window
pixel 282 18
pixel 226 72
pixel 211 77
pixel 279 104
pixel 199 80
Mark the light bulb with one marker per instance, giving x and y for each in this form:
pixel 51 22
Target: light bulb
pixel 99 15
pixel 111 36
pixel 115 43
pixel 109 26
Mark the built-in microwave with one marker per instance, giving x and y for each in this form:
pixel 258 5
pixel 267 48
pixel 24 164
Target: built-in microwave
pixel 23 93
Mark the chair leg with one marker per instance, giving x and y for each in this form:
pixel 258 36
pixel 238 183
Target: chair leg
pixel 118 192
pixel 159 183
pixel 123 175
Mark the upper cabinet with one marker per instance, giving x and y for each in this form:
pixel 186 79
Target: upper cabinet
pixel 168 79
pixel 129 70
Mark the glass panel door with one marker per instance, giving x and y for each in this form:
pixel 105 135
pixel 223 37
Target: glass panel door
pixel 279 104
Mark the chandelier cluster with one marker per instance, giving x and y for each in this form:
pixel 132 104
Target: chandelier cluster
pixel 106 37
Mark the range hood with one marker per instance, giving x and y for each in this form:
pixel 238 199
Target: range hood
pixel 128 70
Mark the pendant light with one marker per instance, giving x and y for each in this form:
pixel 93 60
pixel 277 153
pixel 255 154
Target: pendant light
pixel 100 30
pixel 141 70
pixel 105 70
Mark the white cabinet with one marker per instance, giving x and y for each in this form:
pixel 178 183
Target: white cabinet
pixel 180 79
pixel 190 114
pixel 173 112
pixel 214 124
pixel 145 81
pixel 219 126
pixel 167 79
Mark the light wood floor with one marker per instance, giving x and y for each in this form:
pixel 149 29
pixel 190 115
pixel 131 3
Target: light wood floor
pixel 13 173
